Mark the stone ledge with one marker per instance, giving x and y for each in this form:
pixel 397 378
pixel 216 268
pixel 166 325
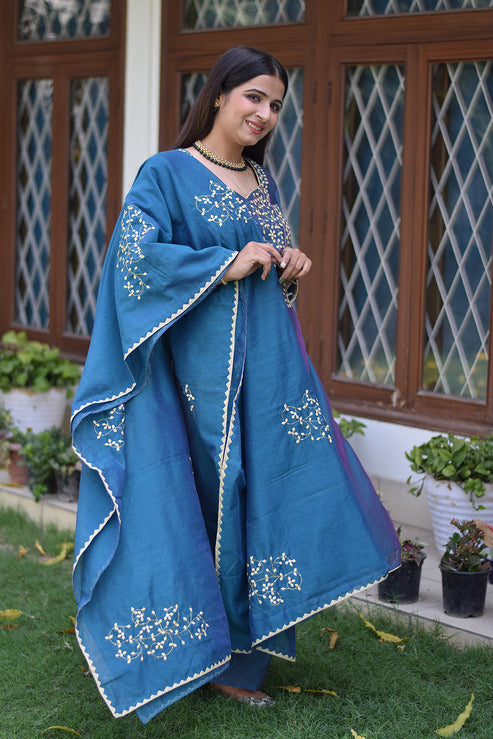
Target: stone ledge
pixel 49 510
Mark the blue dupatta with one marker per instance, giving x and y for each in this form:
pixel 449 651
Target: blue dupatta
pixel 219 503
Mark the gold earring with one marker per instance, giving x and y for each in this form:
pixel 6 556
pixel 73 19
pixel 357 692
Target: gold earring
pixel 216 107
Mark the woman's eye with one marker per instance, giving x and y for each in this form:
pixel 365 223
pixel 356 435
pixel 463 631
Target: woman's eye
pixel 255 98
pixel 276 108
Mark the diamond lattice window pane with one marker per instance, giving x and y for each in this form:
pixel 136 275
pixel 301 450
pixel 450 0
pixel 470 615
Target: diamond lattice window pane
pixel 48 20
pixel 203 14
pixel 360 8
pixel 458 285
pixel 34 159
pixel 371 223
pixel 88 174
pixel 283 157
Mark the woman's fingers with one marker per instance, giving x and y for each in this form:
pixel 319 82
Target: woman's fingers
pixel 295 264
pixel 253 256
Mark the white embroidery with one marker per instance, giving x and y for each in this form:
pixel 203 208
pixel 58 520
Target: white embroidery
pixel 307 421
pixel 221 205
pixel 189 396
pixel 134 228
pixel 114 424
pixel 153 636
pixel 269 578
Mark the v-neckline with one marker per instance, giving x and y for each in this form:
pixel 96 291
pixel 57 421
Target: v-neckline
pixel 228 187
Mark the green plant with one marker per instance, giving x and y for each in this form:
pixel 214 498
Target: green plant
pixel 349 426
pixel 46 453
pixel 34 365
pixel 464 551
pixel 411 550
pixel 465 461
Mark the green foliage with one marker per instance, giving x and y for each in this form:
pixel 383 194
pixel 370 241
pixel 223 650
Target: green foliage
pixel 349 426
pixel 465 461
pixel 46 453
pixel 34 365
pixel 464 550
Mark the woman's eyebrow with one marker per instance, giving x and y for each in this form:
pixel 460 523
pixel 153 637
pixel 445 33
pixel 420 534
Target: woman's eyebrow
pixel 260 92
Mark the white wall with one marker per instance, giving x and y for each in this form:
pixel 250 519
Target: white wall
pixel 142 79
pixel 382 452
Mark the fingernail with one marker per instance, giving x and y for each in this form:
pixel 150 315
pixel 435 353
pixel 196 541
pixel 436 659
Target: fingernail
pixel 283 264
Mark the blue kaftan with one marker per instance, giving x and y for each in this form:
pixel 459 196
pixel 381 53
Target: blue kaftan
pixel 219 503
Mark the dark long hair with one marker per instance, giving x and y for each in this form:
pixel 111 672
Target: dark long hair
pixel 236 66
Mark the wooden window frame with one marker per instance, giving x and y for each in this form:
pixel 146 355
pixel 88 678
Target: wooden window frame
pixel 62 61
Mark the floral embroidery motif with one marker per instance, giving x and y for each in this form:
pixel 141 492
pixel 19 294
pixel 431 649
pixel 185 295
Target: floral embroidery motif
pixel 112 428
pixel 307 421
pixel 221 205
pixel 155 636
pixel 134 228
pixel 269 578
pixel 189 396
pixel 268 215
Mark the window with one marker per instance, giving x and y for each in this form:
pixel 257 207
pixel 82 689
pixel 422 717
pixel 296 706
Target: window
pixel 390 171
pixel 65 68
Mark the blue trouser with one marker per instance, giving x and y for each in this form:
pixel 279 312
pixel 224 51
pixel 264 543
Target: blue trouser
pixel 246 671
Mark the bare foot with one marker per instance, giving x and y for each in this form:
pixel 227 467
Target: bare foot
pixel 240 693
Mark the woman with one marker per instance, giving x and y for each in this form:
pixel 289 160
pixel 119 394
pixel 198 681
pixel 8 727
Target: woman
pixel 219 503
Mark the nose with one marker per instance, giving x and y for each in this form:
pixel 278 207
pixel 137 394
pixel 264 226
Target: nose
pixel 264 111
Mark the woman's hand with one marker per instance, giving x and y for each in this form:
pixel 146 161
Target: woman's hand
pixel 253 256
pixel 295 264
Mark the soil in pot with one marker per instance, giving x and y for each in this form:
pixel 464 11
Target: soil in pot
pixel 402 585
pixel 464 593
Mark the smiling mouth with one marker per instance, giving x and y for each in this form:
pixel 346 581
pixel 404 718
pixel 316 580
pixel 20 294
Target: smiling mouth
pixel 254 127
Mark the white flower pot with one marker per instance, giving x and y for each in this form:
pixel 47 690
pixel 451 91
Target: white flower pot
pixel 447 500
pixel 37 411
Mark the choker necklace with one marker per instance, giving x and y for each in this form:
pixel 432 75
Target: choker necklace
pixel 208 154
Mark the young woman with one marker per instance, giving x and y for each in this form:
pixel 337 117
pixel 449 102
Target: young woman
pixel 219 503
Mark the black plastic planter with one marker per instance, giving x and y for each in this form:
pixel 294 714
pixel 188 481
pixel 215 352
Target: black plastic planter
pixel 464 593
pixel 402 584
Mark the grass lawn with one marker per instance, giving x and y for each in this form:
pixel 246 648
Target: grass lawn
pixel 383 692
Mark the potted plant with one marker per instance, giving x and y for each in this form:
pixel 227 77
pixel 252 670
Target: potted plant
pixel 67 468
pixel 46 453
pixel 402 584
pixel 349 426
pixel 6 426
pixel 458 476
pixel 465 570
pixel 35 381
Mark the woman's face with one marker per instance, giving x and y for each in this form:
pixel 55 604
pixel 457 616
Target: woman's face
pixel 248 112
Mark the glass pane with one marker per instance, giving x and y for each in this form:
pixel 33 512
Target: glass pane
pixel 283 158
pixel 88 174
pixel 34 157
pixel 202 14
pixel 393 7
pixel 460 230
pixel 370 222
pixel 62 19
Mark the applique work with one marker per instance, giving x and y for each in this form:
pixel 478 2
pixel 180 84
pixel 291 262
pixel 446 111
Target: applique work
pixel 112 428
pixel 221 205
pixel 306 421
pixel 150 635
pixel 267 579
pixel 134 228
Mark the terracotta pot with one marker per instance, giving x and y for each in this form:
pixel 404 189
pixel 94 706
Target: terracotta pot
pixel 18 472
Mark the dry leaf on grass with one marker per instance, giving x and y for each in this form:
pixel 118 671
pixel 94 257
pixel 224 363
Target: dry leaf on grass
pixel 61 728
pixel 452 729
pixel 290 688
pixel 355 735
pixel 10 614
pixel 384 635
pixel 22 551
pixel 65 548
pixel 333 636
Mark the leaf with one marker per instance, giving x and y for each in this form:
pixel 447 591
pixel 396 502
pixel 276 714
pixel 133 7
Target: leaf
pixel 290 689
pixel 326 692
pixel 452 729
pixel 384 635
pixel 61 728
pixel 10 614
pixel 334 636
pixel 65 548
pixel 10 627
pixel 22 551
pixel 355 735
pixel 40 548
